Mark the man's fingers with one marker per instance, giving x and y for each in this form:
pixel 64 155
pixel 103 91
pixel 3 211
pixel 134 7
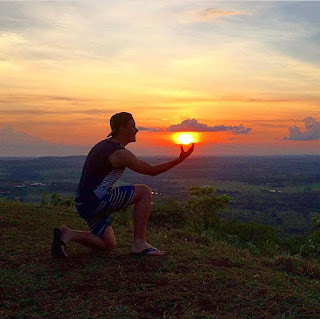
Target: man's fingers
pixel 188 152
pixel 191 148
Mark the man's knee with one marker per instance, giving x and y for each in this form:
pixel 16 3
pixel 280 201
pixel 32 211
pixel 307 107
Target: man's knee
pixel 110 246
pixel 144 191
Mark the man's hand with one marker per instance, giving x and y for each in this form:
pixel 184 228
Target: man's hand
pixel 183 154
pixel 124 158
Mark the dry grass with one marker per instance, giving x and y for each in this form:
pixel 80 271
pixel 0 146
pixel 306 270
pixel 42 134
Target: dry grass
pixel 196 278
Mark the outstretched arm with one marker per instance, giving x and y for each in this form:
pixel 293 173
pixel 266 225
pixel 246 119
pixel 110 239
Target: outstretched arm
pixel 124 158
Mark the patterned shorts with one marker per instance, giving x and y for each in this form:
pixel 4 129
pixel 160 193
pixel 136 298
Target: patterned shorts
pixel 97 212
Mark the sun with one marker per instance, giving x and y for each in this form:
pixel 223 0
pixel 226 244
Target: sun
pixel 185 138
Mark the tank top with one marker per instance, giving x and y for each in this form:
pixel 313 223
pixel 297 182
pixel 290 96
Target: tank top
pixel 98 174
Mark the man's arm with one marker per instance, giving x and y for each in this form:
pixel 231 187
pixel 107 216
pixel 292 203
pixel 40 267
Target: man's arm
pixel 124 158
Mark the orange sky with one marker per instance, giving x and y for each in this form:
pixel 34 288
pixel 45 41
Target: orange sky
pixel 224 64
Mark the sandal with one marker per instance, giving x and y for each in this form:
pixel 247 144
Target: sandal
pixel 56 249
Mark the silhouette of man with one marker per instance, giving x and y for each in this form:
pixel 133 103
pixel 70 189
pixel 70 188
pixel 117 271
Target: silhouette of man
pixel 97 197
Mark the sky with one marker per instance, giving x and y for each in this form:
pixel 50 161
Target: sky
pixel 245 75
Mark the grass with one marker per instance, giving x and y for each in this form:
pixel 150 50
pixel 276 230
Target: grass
pixel 197 278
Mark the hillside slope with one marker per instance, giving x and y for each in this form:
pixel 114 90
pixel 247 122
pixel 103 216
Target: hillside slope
pixel 196 278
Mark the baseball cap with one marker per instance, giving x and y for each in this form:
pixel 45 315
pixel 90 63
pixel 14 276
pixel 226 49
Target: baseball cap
pixel 119 119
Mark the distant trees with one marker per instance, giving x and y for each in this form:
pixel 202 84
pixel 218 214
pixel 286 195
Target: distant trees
pixel 56 200
pixel 312 246
pixel 204 206
pixel 200 214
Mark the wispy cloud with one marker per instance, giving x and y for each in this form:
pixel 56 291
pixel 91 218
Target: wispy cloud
pixel 151 129
pixel 207 15
pixel 17 143
pixel 311 131
pixel 8 136
pixel 192 125
pixel 55 112
pixel 13 98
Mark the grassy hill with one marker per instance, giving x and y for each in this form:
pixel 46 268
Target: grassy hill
pixel 283 192
pixel 197 278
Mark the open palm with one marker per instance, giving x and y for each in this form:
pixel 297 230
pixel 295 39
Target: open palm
pixel 184 154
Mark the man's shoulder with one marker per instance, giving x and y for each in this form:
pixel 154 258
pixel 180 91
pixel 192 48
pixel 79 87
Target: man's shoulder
pixel 106 144
pixel 121 153
pixel 104 149
pixel 120 157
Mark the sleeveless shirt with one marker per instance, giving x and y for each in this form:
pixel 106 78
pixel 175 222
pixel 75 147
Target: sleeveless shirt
pixel 98 174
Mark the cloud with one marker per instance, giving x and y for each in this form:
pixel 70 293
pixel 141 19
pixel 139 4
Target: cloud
pixel 54 112
pixel 311 132
pixel 18 98
pixel 152 129
pixel 192 125
pixel 8 136
pixel 207 15
pixel 14 143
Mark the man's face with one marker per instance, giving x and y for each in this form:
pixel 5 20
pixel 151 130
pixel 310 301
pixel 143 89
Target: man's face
pixel 130 131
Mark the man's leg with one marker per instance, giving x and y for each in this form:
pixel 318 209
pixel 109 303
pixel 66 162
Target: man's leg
pixel 109 238
pixel 86 238
pixel 141 212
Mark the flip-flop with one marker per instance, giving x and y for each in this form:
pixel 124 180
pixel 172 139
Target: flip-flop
pixel 146 251
pixel 56 249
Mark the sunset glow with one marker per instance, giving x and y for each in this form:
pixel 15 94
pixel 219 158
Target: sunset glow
pixel 185 138
pixel 242 77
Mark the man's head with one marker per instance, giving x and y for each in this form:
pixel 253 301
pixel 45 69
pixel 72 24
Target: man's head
pixel 122 124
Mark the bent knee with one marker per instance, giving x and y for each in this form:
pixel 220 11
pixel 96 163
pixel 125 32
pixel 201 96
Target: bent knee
pixel 143 191
pixel 110 246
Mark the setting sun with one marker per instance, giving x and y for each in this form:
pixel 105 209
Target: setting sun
pixel 185 138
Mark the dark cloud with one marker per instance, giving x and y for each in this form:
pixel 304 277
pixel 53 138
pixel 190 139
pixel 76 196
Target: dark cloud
pixel 240 130
pixel 192 125
pixel 311 132
pixel 151 129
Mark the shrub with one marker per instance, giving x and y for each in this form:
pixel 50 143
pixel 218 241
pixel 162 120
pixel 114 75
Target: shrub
pixel 199 213
pixel 57 200
pixel 312 246
pixel 295 265
pixel 123 218
pixel 252 236
pixel 203 208
pixel 169 213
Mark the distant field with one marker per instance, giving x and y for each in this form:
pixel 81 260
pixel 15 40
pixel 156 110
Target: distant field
pixel 70 174
pixel 265 189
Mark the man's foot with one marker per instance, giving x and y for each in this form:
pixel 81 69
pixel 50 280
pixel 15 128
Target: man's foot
pixel 145 249
pixel 58 247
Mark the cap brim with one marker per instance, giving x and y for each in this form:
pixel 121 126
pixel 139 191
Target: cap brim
pixel 110 134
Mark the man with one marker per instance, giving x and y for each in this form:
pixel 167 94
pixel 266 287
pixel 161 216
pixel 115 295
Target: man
pixel 97 198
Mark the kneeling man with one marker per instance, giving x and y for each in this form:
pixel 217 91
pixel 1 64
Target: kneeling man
pixel 97 197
